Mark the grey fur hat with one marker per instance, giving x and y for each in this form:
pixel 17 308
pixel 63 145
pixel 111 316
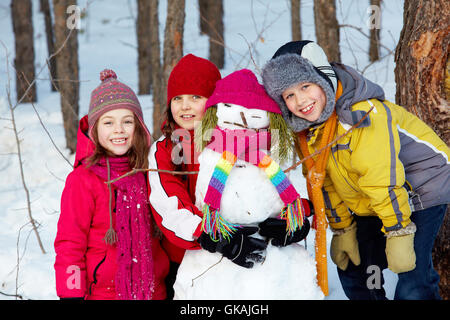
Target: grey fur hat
pixel 291 67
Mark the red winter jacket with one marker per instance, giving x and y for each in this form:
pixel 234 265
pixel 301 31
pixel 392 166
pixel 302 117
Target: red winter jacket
pixel 85 265
pixel 173 196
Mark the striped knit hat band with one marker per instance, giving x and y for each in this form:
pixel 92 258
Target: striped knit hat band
pixel 112 94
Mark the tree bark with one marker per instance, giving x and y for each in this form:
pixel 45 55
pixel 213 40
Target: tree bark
pixel 327 28
pixel 173 39
pixel 216 39
pixel 144 48
pixel 22 21
pixel 422 76
pixel 203 6
pixel 45 9
pixel 67 70
pixel 159 91
pixel 295 21
pixel 374 45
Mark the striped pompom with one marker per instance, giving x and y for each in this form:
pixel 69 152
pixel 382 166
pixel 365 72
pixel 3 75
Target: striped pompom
pixel 107 74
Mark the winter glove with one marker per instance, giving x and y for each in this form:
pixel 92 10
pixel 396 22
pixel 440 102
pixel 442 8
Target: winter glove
pixel 241 249
pixel 276 229
pixel 344 246
pixel 400 253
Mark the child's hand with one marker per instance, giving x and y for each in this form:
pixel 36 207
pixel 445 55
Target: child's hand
pixel 400 253
pixel 276 230
pixel 344 246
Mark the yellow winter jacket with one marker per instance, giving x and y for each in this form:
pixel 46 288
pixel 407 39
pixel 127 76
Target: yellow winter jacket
pixel 391 164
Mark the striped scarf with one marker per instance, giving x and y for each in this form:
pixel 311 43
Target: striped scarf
pixel 246 145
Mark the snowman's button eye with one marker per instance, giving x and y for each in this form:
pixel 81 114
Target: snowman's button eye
pixel 227 105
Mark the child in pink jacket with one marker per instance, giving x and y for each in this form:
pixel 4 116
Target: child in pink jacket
pixel 106 244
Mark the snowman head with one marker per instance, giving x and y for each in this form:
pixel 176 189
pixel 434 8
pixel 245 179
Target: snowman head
pixel 234 117
pixel 239 101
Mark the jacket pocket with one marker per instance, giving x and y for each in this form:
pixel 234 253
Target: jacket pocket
pixel 94 275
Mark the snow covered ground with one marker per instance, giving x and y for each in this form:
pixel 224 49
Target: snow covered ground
pixel 108 40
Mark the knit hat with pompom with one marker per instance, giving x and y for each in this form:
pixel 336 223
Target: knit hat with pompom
pixel 112 94
pixel 297 62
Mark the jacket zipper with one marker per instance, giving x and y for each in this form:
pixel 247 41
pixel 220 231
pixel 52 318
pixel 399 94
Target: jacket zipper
pixel 94 275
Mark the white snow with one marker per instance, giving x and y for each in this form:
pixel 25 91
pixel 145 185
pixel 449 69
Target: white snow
pixel 107 39
pixel 287 273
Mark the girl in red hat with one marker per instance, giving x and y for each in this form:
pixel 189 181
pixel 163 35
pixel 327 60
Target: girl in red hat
pixel 190 84
pixel 106 244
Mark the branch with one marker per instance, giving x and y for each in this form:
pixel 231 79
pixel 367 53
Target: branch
pixel 45 129
pixel 17 296
pixel 19 152
pixel 258 69
pixel 367 36
pixel 43 66
pixel 134 171
pixel 331 143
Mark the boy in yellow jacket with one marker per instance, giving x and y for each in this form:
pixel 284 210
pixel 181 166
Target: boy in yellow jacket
pixel 386 184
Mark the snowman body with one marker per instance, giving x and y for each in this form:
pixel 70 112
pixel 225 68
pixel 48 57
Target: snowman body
pixel 248 199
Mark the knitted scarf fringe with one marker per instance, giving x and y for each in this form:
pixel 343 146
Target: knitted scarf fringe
pixel 216 226
pixel 294 215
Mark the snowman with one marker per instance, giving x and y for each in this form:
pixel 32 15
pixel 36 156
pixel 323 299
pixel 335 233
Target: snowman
pixel 252 215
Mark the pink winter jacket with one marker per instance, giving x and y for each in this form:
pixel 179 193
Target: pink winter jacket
pixel 85 265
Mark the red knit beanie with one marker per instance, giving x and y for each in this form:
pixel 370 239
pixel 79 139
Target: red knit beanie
pixel 112 94
pixel 242 88
pixel 192 75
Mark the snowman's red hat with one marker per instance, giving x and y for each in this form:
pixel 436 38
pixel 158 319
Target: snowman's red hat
pixel 242 88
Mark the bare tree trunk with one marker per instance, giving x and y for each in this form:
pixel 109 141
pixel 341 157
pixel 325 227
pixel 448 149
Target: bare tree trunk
pixel 422 74
pixel 327 28
pixel 21 12
pixel 211 24
pixel 203 6
pixel 144 48
pixel 67 68
pixel 295 20
pixel 216 39
pixel 374 46
pixel 159 92
pixel 45 9
pixel 173 39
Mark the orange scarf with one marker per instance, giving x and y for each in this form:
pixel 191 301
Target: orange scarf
pixel 315 177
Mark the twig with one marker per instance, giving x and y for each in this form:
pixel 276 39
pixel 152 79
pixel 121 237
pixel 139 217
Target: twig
pixel 331 143
pixel 258 69
pixel 19 257
pixel 45 129
pixel 19 153
pixel 43 66
pixel 134 171
pixel 209 268
pixel 259 36
pixel 18 296
pixel 367 36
